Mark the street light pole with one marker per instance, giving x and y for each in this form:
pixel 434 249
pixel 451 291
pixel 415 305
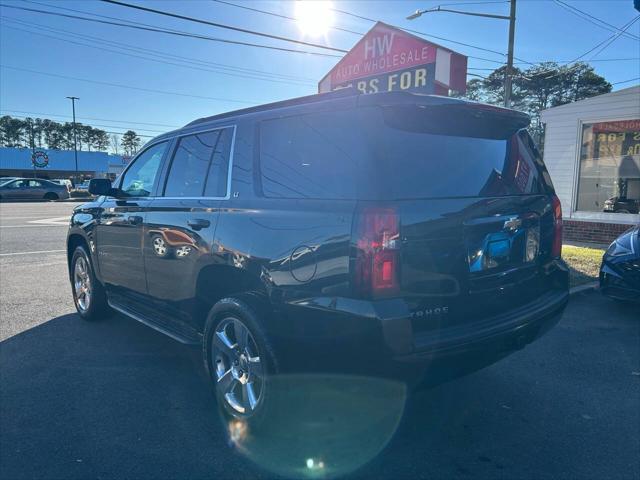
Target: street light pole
pixel 75 137
pixel 512 29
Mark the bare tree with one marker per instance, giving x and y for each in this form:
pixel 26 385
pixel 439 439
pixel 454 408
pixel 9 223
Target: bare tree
pixel 115 143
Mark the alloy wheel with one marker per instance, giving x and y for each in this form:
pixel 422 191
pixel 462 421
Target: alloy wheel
pixel 82 283
pixel 160 246
pixel 237 367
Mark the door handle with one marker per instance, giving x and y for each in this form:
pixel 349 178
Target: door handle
pixel 198 223
pixel 134 219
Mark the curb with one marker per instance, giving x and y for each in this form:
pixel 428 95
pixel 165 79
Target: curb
pixel 582 288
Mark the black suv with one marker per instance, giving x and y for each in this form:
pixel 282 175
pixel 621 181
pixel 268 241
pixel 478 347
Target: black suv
pixel 378 234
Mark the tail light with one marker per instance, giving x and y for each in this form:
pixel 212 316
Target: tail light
pixel 377 259
pixel 556 249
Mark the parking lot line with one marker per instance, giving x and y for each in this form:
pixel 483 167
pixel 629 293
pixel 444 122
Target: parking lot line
pixel 31 253
pixel 27 226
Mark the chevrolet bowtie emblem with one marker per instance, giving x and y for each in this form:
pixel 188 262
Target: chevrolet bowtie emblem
pixel 512 224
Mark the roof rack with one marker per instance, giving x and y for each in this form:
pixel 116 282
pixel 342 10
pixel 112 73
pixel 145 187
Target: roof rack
pixel 318 97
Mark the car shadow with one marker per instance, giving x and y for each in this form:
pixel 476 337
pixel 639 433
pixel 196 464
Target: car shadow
pixel 116 399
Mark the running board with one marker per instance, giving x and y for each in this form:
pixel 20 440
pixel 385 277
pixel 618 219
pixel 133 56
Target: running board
pixel 181 335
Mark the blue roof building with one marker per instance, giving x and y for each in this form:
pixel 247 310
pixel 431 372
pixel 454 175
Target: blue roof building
pixel 18 162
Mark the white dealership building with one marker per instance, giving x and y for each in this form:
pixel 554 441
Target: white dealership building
pixel 592 151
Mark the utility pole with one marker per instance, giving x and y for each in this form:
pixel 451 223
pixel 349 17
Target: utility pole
pixel 75 137
pixel 33 144
pixel 512 29
pixel 509 73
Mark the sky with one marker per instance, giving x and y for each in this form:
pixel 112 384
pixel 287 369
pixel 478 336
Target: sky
pixel 171 80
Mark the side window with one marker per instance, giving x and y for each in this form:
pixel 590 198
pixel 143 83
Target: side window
pixel 35 184
pixel 16 184
pixel 139 178
pixel 200 165
pixel 311 156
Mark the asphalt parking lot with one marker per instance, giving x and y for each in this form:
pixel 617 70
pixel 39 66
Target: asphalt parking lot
pixel 115 399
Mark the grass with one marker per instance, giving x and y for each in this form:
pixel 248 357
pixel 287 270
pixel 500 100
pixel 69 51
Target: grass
pixel 584 263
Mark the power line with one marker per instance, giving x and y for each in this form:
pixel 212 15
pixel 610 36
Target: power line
pixel 363 33
pixel 614 38
pixel 561 62
pixel 165 62
pixel 626 81
pixel 344 12
pixel 279 15
pixel 165 54
pixel 437 37
pixel 608 39
pixel 126 122
pixel 595 60
pixel 367 19
pixel 165 92
pixel 471 3
pixel 593 19
pixel 179 33
pixel 414 31
pixel 152 28
pixel 222 25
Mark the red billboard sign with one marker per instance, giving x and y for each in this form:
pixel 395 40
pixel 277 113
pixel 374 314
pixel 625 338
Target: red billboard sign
pixel 388 59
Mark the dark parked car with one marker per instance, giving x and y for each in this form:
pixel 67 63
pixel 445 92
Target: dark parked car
pixel 620 269
pixel 32 189
pixel 393 234
pixel 621 205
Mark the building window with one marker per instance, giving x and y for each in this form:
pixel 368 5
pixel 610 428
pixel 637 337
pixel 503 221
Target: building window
pixel 609 178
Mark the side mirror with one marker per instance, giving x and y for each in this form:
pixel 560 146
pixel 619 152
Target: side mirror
pixel 100 186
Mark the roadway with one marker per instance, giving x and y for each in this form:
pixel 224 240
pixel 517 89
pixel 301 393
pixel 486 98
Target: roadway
pixel 115 399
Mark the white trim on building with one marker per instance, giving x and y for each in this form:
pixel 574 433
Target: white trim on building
pixel 562 142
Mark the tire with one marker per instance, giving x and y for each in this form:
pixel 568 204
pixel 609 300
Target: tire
pixel 234 371
pixel 88 293
pixel 50 196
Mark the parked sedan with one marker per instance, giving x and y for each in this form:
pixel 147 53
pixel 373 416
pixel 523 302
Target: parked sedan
pixel 32 189
pixel 620 270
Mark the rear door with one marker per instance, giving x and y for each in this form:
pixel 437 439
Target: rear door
pixel 119 229
pixel 180 225
pixel 35 190
pixel 475 210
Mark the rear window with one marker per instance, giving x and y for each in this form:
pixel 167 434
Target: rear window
pixel 390 153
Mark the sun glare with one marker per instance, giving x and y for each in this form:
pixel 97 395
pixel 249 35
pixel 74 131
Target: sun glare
pixel 314 17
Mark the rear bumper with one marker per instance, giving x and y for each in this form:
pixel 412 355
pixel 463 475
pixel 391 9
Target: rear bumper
pixel 498 335
pixel 377 337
